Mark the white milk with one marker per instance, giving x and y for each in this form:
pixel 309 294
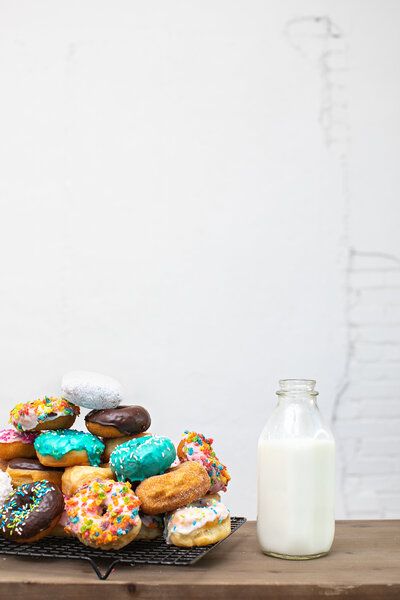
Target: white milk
pixel 296 493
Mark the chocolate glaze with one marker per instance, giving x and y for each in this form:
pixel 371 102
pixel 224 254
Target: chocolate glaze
pixel 30 464
pixel 50 506
pixel 129 420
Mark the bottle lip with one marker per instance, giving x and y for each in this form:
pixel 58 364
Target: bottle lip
pixel 297 386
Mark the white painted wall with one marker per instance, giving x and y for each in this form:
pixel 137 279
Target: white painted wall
pixel 184 189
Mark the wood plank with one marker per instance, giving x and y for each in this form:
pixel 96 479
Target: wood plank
pixel 364 563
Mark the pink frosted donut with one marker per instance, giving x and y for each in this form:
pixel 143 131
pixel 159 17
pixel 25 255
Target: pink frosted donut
pixel 17 444
pixel 194 446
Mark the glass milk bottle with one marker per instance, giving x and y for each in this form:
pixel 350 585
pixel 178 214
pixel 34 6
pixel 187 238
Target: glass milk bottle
pixel 296 476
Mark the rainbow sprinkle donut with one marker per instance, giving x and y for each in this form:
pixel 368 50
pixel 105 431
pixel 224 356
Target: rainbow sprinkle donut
pixel 104 514
pixel 31 511
pixel 32 415
pixel 194 446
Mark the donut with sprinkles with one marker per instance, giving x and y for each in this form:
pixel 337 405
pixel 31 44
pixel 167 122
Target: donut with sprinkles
pixel 31 511
pixel 104 514
pixel 194 446
pixel 17 444
pixel 45 414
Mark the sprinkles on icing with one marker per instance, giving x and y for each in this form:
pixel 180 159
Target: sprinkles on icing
pixel 142 457
pixel 198 448
pixel 9 436
pixel 194 516
pixel 58 442
pixel 17 515
pixel 85 511
pixel 41 410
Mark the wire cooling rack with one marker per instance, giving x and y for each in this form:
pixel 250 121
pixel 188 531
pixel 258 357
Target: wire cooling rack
pixel 142 552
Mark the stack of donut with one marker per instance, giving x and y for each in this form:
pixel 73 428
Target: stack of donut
pixel 110 485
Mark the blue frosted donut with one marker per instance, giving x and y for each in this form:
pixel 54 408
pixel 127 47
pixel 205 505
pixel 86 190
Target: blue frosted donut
pixel 54 447
pixel 142 457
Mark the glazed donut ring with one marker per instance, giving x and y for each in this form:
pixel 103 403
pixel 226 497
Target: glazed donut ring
pixel 104 514
pixel 118 422
pixel 29 470
pixel 31 512
pixel 76 477
pixel 16 444
pixel 179 486
pixel 67 447
pixel 198 524
pixel 46 414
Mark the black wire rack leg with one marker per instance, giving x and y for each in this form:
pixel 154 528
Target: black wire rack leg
pixel 100 575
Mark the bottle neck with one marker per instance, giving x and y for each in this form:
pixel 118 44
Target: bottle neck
pixel 297 391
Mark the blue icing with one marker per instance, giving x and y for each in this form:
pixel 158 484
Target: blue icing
pixel 58 442
pixel 142 457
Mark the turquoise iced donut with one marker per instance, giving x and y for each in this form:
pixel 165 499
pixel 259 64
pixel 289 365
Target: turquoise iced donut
pixel 57 443
pixel 142 457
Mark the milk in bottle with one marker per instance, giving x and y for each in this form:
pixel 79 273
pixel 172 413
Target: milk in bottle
pixel 296 476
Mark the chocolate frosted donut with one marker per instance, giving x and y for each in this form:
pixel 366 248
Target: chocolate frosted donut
pixel 31 511
pixel 29 470
pixel 118 422
pixel 30 464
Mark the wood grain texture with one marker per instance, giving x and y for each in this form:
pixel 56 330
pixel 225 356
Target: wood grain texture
pixel 364 563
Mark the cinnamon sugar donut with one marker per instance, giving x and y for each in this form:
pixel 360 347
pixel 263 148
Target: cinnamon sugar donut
pixel 179 486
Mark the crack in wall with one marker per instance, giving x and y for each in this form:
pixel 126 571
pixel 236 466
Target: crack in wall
pixel 320 40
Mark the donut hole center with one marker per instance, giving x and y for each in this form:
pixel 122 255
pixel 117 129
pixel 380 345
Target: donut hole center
pixel 102 510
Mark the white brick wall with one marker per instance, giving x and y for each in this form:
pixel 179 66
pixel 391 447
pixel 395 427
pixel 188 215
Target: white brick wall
pixel 367 413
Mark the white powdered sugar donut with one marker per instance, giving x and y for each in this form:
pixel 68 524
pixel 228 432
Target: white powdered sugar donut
pixel 91 390
pixel 5 487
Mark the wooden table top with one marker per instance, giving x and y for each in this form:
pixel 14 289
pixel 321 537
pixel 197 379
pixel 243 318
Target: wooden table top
pixel 364 563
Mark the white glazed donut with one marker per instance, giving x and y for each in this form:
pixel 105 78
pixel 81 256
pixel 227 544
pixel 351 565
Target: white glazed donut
pixel 5 487
pixel 91 390
pixel 200 523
